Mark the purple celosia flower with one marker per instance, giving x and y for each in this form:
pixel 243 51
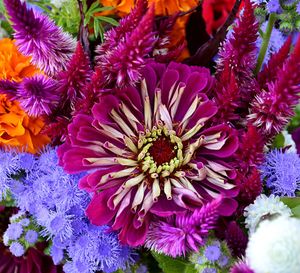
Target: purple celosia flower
pixel 184 232
pixel 212 253
pixel 17 249
pixel 37 95
pixel 282 172
pixel 37 36
pixel 31 236
pixel 151 150
pixel 241 267
pixel 14 231
pixel 273 6
pixel 122 64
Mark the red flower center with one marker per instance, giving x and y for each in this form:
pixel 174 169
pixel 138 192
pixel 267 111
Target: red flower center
pixel 162 150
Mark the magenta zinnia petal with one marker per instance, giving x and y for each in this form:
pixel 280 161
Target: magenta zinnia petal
pixel 152 151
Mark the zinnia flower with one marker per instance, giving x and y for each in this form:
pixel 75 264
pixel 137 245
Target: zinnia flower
pixel 152 150
pixel 275 246
pixel 13 65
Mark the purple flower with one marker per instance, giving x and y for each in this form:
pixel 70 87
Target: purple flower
pixel 57 254
pixel 273 6
pixel 282 172
pixel 31 236
pixel 209 270
pixel 14 231
pixel 24 222
pixel 241 267
pixel 298 8
pixel 212 253
pixel 223 261
pixel 151 150
pixel 17 249
pixel 37 36
pixel 176 235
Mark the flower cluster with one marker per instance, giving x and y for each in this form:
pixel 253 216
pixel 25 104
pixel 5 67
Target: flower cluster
pixel 149 136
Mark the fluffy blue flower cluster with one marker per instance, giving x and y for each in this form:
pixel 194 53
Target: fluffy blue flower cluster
pixel 42 188
pixel 281 172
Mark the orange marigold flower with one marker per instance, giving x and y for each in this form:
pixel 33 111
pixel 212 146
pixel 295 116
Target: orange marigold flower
pixel 13 65
pixel 17 129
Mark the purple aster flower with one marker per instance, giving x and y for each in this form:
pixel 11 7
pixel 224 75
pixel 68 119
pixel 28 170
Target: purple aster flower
pixel 176 235
pixel 24 222
pixel 298 8
pixel 152 150
pixel 14 231
pixel 31 236
pixel 282 172
pixel 273 6
pixel 17 249
pixel 57 254
pixel 212 253
pixel 223 261
pixel 37 36
pixel 209 270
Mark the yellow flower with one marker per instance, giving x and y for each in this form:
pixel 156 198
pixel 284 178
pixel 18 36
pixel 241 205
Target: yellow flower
pixel 17 129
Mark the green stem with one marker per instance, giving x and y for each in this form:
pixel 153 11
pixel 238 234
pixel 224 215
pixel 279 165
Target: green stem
pixel 265 42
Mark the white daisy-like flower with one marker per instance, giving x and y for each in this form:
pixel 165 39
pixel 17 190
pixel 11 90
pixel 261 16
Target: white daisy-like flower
pixel 275 246
pixel 264 208
pixel 288 141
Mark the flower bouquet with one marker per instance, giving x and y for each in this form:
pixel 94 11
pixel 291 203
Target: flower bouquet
pixel 149 136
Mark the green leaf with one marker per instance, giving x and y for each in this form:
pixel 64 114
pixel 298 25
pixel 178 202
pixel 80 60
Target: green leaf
pixel 291 202
pixel 296 211
pixel 108 20
pixel 170 265
pixel 278 141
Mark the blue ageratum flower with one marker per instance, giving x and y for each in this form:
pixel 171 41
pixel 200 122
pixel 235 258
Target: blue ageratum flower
pixel 281 172
pixel 52 196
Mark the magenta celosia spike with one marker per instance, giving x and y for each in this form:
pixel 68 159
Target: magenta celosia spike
pixel 37 36
pixel 184 232
pixel 73 81
pixel 239 53
pixel 126 25
pixel 269 73
pixel 272 108
pixel 241 267
pixel 121 66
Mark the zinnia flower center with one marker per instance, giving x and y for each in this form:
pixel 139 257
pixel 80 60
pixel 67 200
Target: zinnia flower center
pixel 160 151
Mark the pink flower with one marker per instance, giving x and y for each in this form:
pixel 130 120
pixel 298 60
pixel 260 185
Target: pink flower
pixel 152 151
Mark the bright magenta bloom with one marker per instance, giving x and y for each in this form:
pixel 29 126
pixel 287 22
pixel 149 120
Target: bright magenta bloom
pixel 152 150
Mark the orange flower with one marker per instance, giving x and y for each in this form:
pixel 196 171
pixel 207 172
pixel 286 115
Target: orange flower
pixel 162 8
pixel 17 129
pixel 13 65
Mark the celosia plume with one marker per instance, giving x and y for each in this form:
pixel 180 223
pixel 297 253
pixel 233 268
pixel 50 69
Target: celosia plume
pixel 37 36
pixel 269 72
pixel 121 64
pixel 239 55
pixel 74 79
pixel 37 95
pixel 272 108
pixel 178 234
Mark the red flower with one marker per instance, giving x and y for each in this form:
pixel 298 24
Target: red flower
pixel 215 13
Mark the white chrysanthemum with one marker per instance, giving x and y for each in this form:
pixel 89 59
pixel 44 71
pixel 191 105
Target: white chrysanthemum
pixel 275 246
pixel 264 207
pixel 288 141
